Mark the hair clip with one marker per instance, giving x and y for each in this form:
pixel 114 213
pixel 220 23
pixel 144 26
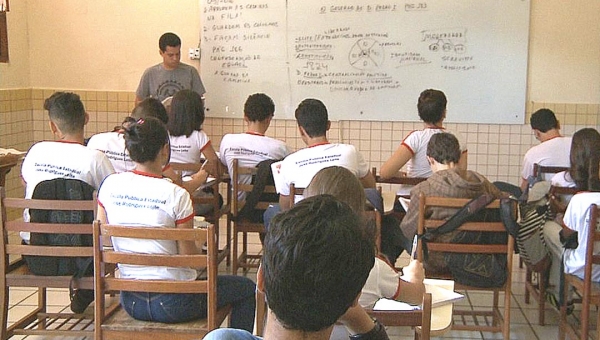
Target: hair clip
pixel 141 121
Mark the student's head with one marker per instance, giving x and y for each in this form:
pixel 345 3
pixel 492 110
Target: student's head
pixel 585 159
pixel 432 106
pixel 66 112
pixel 169 45
pixel 259 107
pixel 150 107
pixel 146 139
pixel 341 183
pixel 311 116
pixel 187 113
pixel 316 260
pixel 444 148
pixel 543 120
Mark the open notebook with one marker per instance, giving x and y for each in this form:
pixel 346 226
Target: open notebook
pixel 440 295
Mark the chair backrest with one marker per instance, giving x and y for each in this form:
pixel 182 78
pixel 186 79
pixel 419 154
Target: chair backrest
pixel 560 197
pixel 265 199
pixel 420 317
pixel 15 251
pixel 541 170
pixel 591 259
pixel 107 257
pixel 424 223
pixel 397 179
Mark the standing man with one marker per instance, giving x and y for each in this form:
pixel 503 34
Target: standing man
pixel 165 79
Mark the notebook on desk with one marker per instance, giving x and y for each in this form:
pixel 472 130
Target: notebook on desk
pixel 442 293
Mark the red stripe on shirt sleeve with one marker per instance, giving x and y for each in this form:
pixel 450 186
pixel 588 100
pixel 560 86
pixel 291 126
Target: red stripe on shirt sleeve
pixel 397 293
pixel 205 145
pixel 408 147
pixel 185 219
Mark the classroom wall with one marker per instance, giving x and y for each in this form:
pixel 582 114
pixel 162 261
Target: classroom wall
pixel 102 51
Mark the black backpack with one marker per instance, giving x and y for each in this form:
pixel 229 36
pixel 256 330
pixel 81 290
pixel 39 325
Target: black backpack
pixel 61 189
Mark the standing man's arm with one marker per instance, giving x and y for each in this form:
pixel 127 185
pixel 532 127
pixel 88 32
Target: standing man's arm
pixel 143 90
pixel 197 85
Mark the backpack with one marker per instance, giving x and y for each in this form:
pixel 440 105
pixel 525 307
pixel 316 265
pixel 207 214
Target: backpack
pixel 61 189
pixel 478 270
pixel 263 177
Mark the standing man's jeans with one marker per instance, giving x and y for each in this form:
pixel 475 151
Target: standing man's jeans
pixel 238 291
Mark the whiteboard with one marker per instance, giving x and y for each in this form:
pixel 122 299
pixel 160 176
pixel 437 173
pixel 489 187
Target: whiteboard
pixel 368 60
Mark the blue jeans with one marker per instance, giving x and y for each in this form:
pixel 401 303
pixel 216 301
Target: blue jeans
pixel 230 334
pixel 268 215
pixel 173 308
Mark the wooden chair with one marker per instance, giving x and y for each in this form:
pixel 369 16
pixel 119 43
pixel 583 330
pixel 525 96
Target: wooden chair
pixel 117 324
pixel 217 211
pixel 15 273
pixel 244 226
pixel 536 278
pixel 478 319
pixel 420 319
pixel 395 181
pixel 588 289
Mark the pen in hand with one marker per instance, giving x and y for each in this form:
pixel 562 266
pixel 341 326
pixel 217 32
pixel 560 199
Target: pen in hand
pixel 413 254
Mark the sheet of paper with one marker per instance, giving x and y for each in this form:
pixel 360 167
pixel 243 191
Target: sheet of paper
pixel 389 304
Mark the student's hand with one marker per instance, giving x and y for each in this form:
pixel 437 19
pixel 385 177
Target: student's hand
pixel 356 320
pixel 414 272
pixel 200 176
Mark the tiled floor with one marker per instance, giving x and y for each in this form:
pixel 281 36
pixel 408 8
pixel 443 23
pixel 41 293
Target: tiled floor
pixel 523 316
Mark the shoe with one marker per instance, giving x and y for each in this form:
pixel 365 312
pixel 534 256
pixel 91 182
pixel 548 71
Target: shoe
pixel 81 299
pixel 554 302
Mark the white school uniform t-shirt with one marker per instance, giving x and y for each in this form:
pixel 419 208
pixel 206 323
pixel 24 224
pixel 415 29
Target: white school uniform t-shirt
pixel 49 160
pixel 137 199
pixel 577 217
pixel 112 144
pixel 188 149
pixel 416 142
pixel 301 166
pixel 553 152
pixel 250 149
pixel 383 282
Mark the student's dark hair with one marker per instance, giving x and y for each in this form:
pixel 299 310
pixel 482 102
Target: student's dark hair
pixel 66 110
pixel 431 105
pixel 168 39
pixel 444 148
pixel 259 107
pixel 316 260
pixel 144 138
pixel 543 120
pixel 585 159
pixel 187 113
pixel 150 107
pixel 312 116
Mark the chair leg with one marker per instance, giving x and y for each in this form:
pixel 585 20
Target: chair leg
pixel 563 324
pixel 234 252
pixel 542 283
pixel 4 298
pixel 528 281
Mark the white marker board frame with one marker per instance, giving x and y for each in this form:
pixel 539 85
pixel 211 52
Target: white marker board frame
pixel 368 60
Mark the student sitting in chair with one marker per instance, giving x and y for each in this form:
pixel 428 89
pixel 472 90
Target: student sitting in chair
pixel 143 197
pixel 316 259
pixel 448 180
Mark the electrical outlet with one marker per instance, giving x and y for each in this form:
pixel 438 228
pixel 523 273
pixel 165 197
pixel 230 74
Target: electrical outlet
pixel 194 53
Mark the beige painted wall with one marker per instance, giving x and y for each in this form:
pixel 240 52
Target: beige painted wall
pixel 16 73
pixel 103 45
pixel 106 45
pixel 564 51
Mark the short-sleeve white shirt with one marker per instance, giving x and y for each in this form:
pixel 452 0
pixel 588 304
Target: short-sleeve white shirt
pixel 188 149
pixel 301 166
pixel 250 149
pixel 135 198
pixel 416 142
pixel 383 282
pixel 577 217
pixel 112 144
pixel 553 152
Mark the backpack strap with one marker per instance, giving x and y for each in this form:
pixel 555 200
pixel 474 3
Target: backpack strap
pixel 461 216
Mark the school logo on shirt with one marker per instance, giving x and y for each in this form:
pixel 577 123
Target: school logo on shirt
pixel 169 88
